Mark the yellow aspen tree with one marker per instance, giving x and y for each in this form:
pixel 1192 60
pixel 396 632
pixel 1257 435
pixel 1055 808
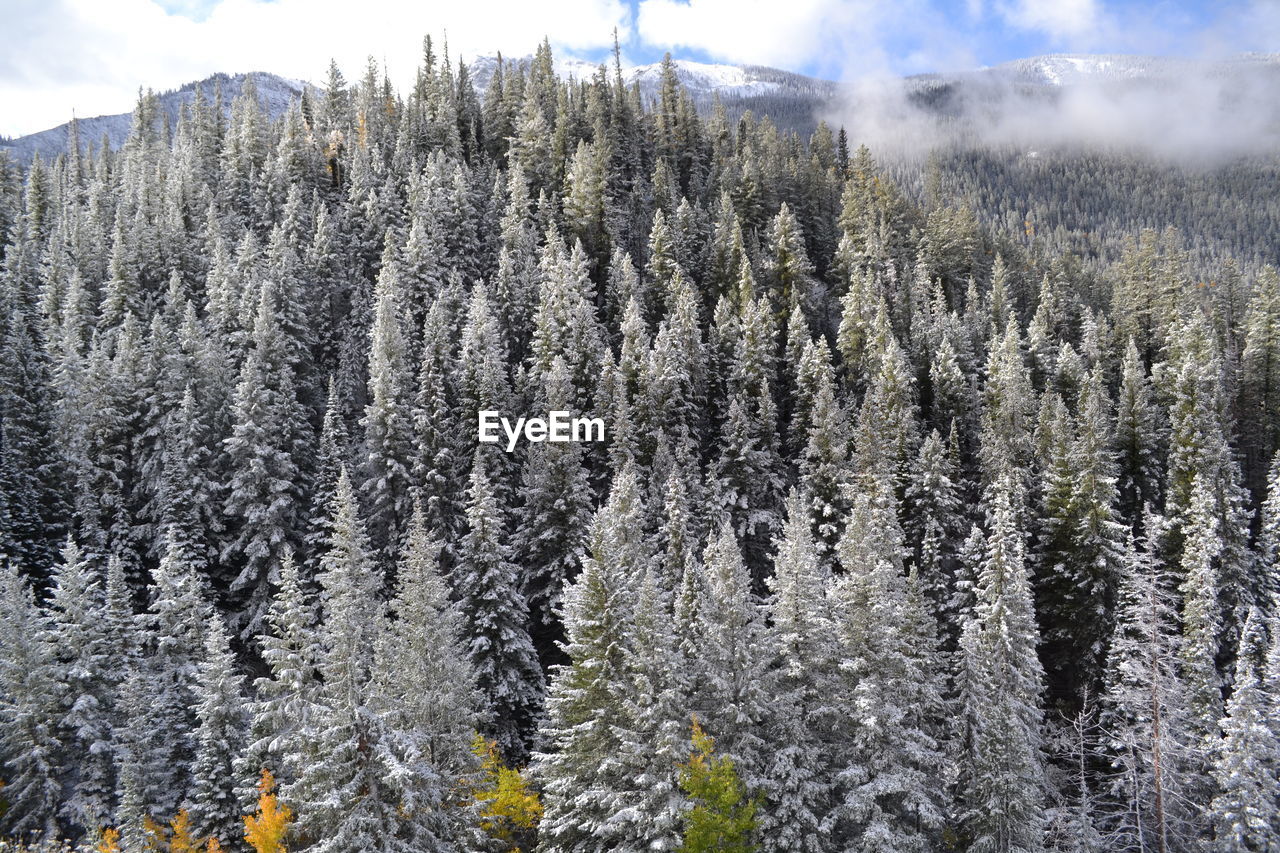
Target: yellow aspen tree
pixel 265 830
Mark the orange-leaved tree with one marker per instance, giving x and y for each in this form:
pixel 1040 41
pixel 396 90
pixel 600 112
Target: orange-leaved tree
pixel 175 838
pixel 109 842
pixel 265 830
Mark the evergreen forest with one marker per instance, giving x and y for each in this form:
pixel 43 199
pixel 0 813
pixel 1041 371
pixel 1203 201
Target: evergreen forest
pixel 939 506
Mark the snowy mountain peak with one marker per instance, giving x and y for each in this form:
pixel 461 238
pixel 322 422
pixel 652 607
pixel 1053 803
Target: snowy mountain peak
pixel 1065 69
pixel 702 80
pixel 275 93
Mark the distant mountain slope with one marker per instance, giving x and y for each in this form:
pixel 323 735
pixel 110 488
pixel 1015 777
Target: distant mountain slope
pixel 1066 68
pixel 792 101
pixel 274 92
pixel 1188 103
pixel 1183 108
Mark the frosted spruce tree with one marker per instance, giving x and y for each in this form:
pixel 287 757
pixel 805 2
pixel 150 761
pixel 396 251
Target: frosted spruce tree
pixel 1003 782
pixel 1245 810
pixel 424 690
pixel 31 741
pixel 496 621
pixel 888 762
pixel 85 670
pixel 223 720
pixel 806 710
pixel 348 792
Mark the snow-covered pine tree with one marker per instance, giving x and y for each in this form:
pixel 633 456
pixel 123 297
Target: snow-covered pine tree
pixel 888 781
pixel 31 746
pixel 824 466
pixel 424 689
pixel 805 710
pixel 935 520
pixel 1246 810
pixel 264 495
pixel 80 631
pixel 581 768
pixel 1003 781
pixel 387 423
pixel 175 626
pixel 1137 439
pixel 732 693
pixel 651 722
pixel 1144 708
pixel 551 533
pixel 496 621
pixel 1199 587
pixel 348 794
pixel 284 700
pixel 223 719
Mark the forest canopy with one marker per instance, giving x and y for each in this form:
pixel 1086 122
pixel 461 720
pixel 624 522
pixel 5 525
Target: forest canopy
pixel 939 506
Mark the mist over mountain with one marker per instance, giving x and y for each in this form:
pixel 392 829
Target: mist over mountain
pixel 1184 109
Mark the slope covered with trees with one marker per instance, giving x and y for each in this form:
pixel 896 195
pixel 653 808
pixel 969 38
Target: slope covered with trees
pixel 911 531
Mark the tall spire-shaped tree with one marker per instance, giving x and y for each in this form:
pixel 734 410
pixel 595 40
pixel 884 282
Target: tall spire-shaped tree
pixel 214 805
pixel 496 620
pixel 387 423
pixel 425 691
pixel 1004 784
pixel 1246 811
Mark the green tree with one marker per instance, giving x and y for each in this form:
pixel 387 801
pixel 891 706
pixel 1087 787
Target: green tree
pixel 723 818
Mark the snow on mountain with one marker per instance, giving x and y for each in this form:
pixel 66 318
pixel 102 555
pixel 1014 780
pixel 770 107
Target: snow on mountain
pixel 275 93
pixel 1066 69
pixel 702 80
pixel 793 101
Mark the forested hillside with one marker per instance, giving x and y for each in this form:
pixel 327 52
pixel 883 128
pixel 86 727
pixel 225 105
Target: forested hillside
pixel 911 531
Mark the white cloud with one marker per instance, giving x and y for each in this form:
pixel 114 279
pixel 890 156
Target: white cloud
pixel 1059 19
pixel 839 39
pixel 92 56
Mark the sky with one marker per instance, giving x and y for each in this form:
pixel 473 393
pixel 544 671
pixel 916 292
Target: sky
pixel 92 56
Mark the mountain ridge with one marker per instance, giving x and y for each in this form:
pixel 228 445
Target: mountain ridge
pixel 793 101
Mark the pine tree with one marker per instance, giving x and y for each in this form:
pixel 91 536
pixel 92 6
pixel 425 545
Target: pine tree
pixel 1199 615
pixel 1145 706
pixel 264 495
pixel 551 535
pixel 581 769
pixel 824 472
pixel 1268 544
pixel 1137 437
pixel 425 691
pixel 213 804
pixel 731 691
pixel 387 423
pixel 437 470
pixel 805 709
pixel 348 794
pixel 285 700
pixel 80 631
pixel 935 520
pixel 175 629
pixel 1245 809
pixel 496 619
pixel 1003 786
pixel 30 741
pixel 331 455
pixel 1080 547
pixel 888 781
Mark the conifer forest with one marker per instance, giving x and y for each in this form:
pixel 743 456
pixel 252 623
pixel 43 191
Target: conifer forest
pixel 938 506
